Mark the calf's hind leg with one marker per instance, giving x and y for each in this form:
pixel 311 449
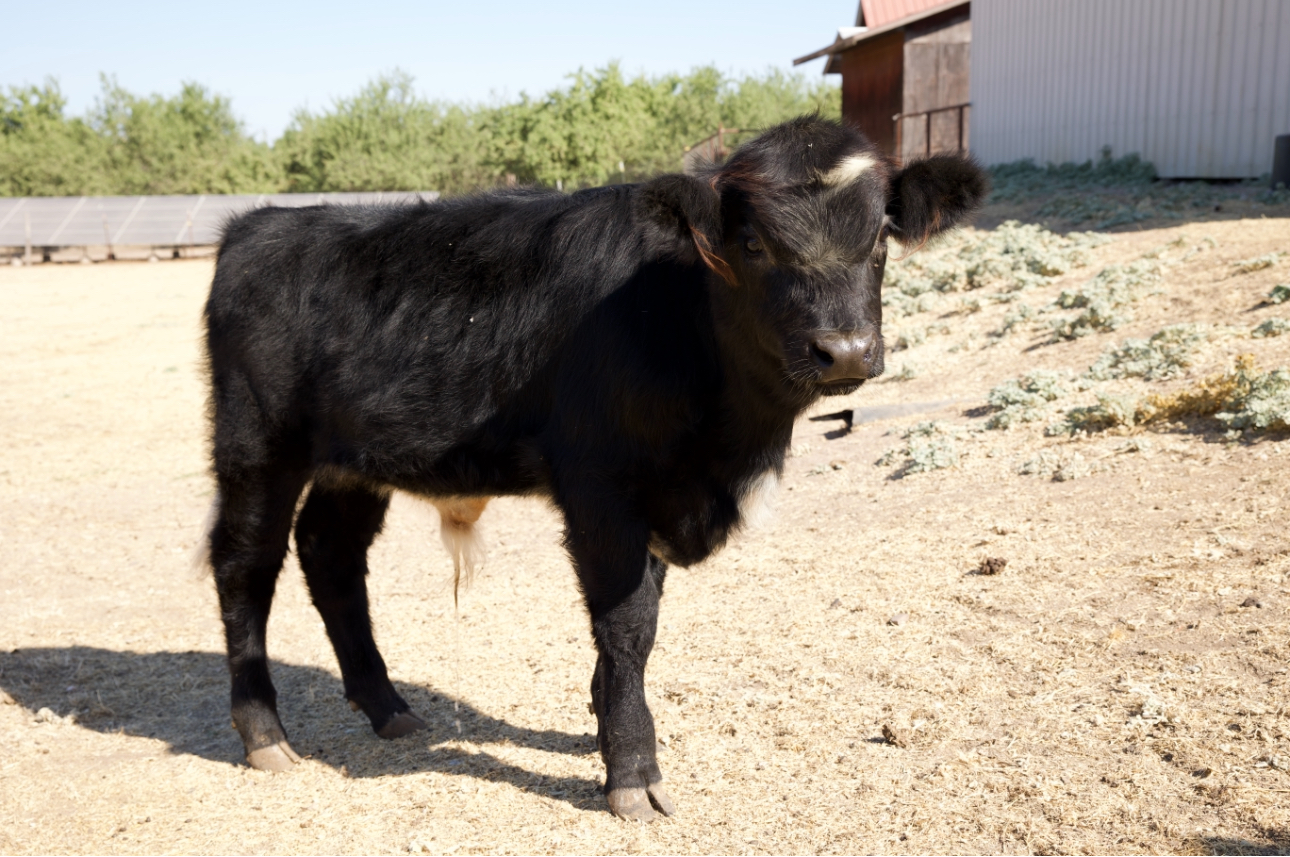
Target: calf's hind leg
pixel 334 531
pixel 247 544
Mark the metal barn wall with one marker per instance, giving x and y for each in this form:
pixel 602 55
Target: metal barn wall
pixel 1199 87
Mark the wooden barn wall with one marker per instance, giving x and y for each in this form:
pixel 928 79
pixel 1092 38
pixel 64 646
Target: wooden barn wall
pixel 937 64
pixel 1198 87
pixel 871 87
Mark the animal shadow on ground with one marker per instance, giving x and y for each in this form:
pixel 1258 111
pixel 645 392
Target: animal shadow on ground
pixel 182 698
pixel 1276 841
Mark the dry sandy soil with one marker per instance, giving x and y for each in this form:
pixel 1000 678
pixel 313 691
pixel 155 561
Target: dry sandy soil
pixel 1119 687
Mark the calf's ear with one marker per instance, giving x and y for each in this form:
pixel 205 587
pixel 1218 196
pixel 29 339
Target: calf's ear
pixel 686 211
pixel 933 195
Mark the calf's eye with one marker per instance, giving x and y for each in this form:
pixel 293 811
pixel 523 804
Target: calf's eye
pixel 752 245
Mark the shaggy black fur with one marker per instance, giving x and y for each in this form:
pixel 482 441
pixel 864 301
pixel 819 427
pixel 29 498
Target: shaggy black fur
pixel 638 353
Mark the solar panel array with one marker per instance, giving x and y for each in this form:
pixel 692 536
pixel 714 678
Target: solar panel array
pixel 157 221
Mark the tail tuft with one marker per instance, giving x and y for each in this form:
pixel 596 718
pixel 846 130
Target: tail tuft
pixel 457 519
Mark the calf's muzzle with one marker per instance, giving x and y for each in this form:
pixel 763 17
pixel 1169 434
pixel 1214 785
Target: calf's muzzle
pixel 845 356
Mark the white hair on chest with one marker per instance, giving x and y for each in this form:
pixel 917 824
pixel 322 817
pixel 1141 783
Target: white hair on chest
pixel 757 503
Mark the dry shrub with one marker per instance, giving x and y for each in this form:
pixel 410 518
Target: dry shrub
pixel 1241 399
pixel 1208 397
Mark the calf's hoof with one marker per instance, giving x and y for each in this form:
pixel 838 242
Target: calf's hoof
pixel 640 804
pixel 403 723
pixel 274 757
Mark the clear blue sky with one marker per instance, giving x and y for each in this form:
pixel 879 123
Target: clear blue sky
pixel 271 58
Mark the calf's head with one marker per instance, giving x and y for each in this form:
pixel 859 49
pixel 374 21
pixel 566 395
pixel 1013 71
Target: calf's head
pixel 795 229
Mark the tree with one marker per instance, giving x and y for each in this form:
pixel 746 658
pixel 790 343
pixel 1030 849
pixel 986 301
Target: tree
pixel 385 138
pixel 190 143
pixel 42 153
pixel 600 127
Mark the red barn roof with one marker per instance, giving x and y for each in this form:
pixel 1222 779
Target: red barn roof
pixel 876 13
pixel 881 16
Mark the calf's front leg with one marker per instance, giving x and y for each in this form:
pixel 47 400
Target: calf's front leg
pixel 622 589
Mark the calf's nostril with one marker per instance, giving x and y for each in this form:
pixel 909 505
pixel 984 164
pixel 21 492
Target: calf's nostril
pixel 822 357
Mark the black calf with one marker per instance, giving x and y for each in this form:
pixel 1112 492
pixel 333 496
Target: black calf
pixel 637 353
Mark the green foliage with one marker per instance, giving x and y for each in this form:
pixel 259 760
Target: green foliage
pixel 928 446
pixel 190 143
pixel 1271 327
pixel 915 335
pixel 1020 180
pixel 908 372
pixel 1015 319
pixel 1280 294
pixel 909 338
pixel 1112 192
pixel 1068 188
pixel 385 138
pixel 1258 263
pixel 1110 411
pixel 600 127
pixel 1012 257
pixel 1055 464
pixel 604 127
pixel 1104 300
pixel 1024 399
pixel 1162 356
pixel 1261 402
pixel 43 153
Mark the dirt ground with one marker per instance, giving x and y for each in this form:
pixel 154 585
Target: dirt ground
pixel 1119 687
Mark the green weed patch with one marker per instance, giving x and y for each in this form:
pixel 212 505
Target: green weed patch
pixel 1025 399
pixel 1271 327
pixel 1162 356
pixel 1104 300
pixel 928 446
pixel 1011 258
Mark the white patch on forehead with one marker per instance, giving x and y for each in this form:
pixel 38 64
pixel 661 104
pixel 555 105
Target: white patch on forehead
pixel 848 170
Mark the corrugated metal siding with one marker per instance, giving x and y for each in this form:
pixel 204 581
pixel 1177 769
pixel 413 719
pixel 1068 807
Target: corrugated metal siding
pixel 1199 87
